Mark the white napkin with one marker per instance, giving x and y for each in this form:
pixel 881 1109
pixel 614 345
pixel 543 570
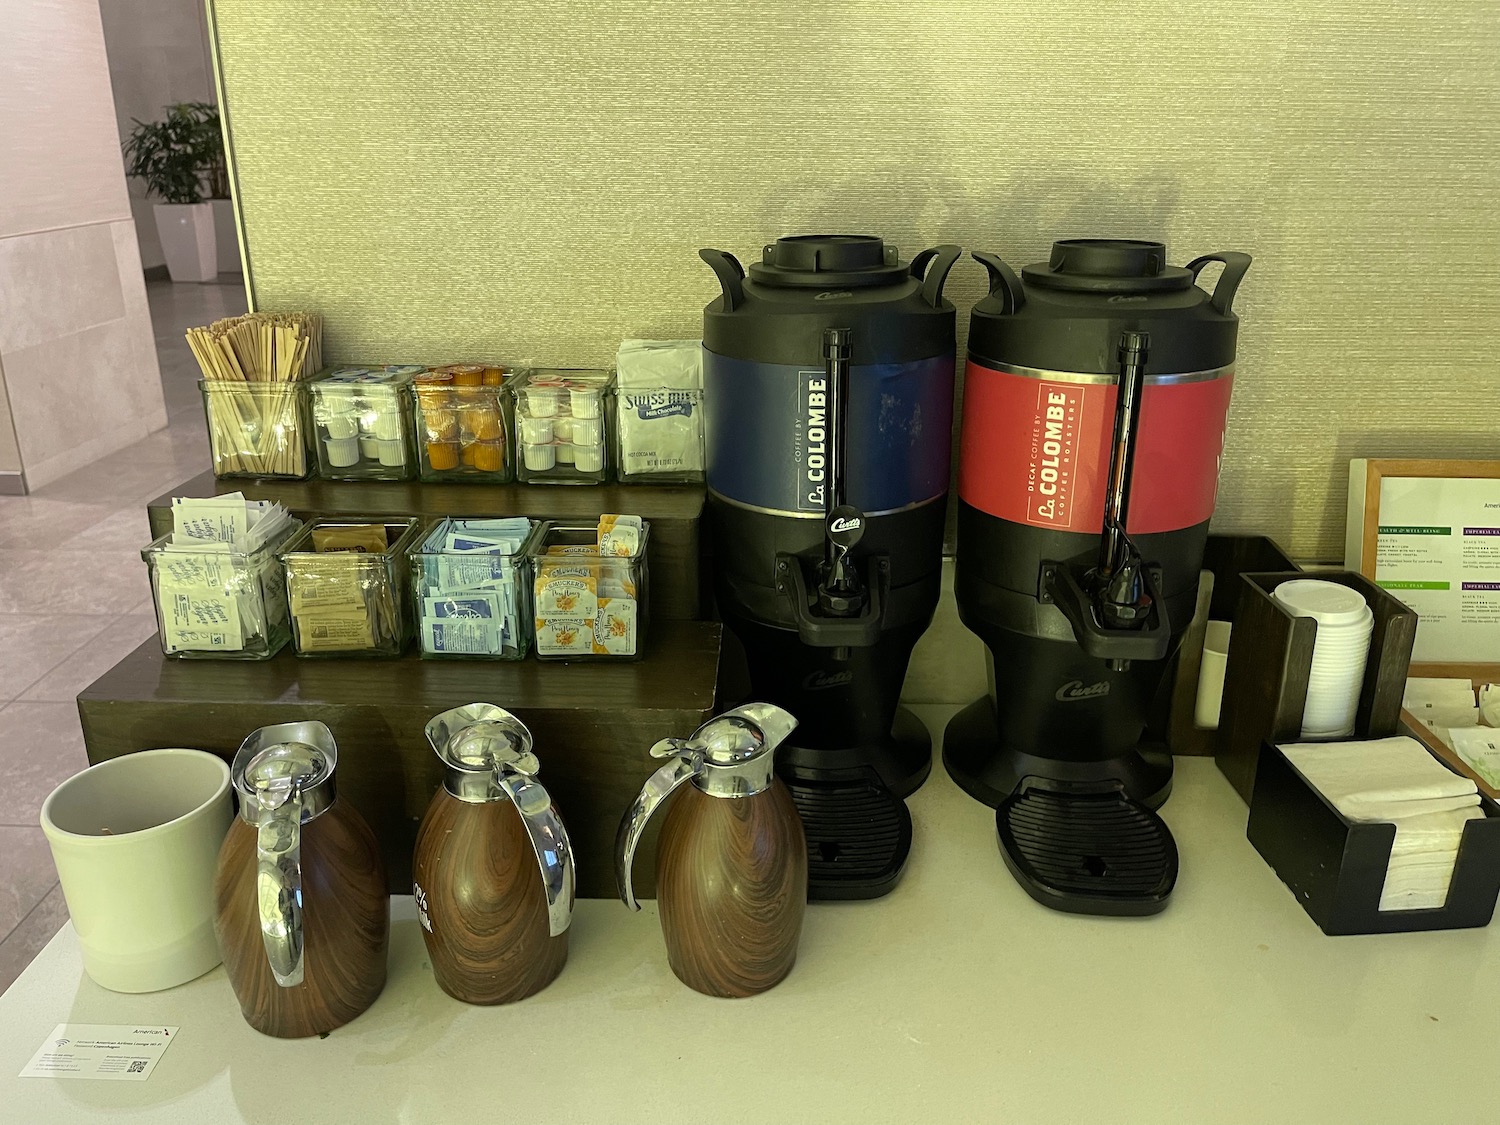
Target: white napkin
pixel 1418 837
pixel 1397 780
pixel 1371 780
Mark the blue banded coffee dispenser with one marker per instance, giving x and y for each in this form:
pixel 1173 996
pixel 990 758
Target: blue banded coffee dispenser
pixel 828 386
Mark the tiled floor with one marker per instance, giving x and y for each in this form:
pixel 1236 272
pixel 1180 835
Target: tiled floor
pixel 74 599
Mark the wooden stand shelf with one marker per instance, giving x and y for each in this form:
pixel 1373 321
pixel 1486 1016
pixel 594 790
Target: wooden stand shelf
pixel 674 512
pixel 594 723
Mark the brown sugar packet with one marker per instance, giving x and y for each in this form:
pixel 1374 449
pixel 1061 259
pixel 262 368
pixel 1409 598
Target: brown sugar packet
pixel 369 538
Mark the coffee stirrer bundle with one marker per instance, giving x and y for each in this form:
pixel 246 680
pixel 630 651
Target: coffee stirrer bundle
pixel 251 364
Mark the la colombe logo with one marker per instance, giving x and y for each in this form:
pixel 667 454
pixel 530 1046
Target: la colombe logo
pixel 421 896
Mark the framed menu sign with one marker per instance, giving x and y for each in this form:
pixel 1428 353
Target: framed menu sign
pixel 1429 531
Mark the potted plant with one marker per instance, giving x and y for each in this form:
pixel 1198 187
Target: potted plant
pixel 174 157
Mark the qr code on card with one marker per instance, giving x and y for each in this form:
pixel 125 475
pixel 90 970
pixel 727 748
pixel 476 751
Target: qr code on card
pixel 136 1067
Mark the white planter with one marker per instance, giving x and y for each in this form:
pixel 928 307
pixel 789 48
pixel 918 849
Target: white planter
pixel 188 241
pixel 228 237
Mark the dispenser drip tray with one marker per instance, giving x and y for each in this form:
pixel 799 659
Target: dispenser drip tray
pixel 858 837
pixel 1087 852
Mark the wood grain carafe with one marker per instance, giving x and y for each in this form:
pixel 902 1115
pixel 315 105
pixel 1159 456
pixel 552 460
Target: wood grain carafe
pixel 493 867
pixel 731 861
pixel 303 916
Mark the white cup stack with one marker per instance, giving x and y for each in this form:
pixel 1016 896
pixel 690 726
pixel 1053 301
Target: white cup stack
pixel 1342 648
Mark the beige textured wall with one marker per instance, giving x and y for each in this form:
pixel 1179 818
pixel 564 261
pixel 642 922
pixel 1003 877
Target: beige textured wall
pixel 533 180
pixel 76 345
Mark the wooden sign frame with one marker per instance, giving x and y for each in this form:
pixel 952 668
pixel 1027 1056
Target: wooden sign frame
pixel 1363 538
pixel 1360 548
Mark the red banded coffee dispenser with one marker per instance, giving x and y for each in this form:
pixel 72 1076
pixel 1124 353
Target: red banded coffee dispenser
pixel 1095 401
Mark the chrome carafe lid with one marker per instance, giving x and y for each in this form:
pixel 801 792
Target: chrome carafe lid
pixel 284 776
pixel 730 756
pixel 487 756
pixel 286 764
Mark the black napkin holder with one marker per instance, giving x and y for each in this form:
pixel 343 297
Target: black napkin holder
pixel 1335 867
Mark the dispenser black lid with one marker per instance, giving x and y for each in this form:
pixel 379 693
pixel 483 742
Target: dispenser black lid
pixel 1068 312
pixel 822 261
pixel 806 284
pixel 1108 265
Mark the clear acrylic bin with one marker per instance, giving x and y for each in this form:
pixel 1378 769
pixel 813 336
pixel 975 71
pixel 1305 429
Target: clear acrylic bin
pixel 471 605
pixel 219 605
pixel 461 417
pixel 360 421
pixel 587 606
pixel 349 600
pixel 658 435
pixel 258 429
pixel 563 419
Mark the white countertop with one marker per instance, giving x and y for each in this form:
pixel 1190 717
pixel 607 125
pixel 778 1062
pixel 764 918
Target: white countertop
pixel 955 998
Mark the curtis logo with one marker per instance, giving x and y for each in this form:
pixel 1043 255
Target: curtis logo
pixel 818 681
pixel 841 524
pixel 1075 689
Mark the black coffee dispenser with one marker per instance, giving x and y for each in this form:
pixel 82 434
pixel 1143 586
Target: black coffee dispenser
pixel 828 380
pixel 1095 400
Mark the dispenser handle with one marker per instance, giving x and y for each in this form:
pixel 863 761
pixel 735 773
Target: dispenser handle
pixel 942 258
pixel 549 839
pixel 278 885
pixel 838 346
pixel 659 786
pixel 1235 265
pixel 731 276
pixel 1003 282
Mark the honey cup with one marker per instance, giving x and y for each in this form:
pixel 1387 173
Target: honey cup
pixel 442 455
pixel 466 454
pixel 494 376
pixel 441 425
pixel 483 421
pixel 467 375
pixel 489 456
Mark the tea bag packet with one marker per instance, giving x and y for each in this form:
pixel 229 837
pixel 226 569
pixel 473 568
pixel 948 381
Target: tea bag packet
pixel 1480 748
pixel 1444 706
pixel 1489 704
pixel 660 419
pixel 469 587
pixel 218 585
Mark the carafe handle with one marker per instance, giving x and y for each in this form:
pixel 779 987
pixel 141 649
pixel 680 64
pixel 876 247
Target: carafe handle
pixel 1235 265
pixel 549 839
pixel 278 886
pixel 659 786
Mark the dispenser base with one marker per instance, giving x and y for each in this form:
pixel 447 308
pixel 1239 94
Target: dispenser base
pixel 850 800
pixel 1087 853
pixel 991 773
pixel 1079 836
pixel 901 761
